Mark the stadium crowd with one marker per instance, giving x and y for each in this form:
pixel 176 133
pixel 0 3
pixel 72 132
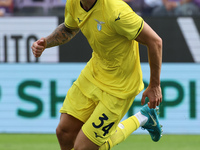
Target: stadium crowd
pixel 142 7
pixel 165 7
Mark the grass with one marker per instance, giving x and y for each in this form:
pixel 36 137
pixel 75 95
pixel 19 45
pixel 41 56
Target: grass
pixel 134 142
pixel 167 142
pixel 28 142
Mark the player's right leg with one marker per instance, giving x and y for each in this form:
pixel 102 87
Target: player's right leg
pixel 76 109
pixel 67 130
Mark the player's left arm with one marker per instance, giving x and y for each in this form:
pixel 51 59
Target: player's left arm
pixel 153 42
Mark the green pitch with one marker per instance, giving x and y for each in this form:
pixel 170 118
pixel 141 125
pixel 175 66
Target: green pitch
pixel 134 142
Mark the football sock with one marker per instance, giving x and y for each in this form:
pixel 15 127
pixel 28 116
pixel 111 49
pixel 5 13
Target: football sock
pixel 124 129
pixel 141 118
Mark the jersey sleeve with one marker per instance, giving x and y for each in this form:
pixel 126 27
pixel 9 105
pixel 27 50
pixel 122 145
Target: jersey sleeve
pixel 69 20
pixel 126 22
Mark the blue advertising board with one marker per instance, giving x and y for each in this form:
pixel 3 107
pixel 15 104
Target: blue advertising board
pixel 32 94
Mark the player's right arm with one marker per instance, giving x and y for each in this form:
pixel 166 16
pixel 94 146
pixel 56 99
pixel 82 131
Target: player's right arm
pixel 59 36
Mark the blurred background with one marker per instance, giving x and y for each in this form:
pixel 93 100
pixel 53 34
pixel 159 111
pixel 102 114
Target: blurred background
pixel 32 90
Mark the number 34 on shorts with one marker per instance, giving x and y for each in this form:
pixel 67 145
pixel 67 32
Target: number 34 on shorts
pixel 105 128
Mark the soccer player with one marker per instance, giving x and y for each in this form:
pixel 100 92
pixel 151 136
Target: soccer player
pixel 105 90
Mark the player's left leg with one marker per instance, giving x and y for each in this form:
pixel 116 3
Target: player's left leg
pixel 124 129
pixel 152 125
pixel 146 118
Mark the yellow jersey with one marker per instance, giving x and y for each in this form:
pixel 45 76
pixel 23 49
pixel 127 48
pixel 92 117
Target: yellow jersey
pixel 110 27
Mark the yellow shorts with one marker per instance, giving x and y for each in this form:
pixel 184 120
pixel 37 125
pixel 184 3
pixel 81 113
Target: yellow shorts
pixel 100 111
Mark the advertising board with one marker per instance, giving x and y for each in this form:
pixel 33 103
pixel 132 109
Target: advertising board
pixel 17 35
pixel 32 94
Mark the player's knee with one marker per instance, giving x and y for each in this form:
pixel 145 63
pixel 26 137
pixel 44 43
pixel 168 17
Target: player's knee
pixel 76 147
pixel 66 139
pixel 64 135
pixel 59 132
pixel 81 146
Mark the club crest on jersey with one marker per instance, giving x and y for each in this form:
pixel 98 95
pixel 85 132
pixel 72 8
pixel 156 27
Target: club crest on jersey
pixel 99 24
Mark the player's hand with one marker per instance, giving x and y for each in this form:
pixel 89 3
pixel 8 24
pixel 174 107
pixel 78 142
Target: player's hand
pixel 154 94
pixel 38 47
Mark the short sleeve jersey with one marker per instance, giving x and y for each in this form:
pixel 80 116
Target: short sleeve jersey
pixel 110 27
